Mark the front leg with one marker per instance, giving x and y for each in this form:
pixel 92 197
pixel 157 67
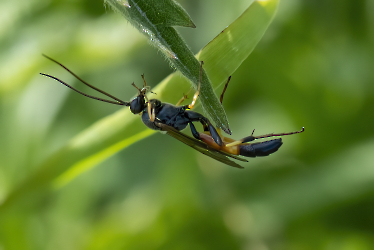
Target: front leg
pixel 196 95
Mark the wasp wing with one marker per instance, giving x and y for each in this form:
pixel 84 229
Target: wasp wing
pixel 201 146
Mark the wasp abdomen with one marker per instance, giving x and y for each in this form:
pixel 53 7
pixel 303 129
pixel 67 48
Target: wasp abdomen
pixel 260 148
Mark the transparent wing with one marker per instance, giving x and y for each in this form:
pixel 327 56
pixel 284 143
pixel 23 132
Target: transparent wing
pixel 201 146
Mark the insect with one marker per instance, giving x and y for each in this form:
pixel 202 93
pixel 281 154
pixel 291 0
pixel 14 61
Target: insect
pixel 172 119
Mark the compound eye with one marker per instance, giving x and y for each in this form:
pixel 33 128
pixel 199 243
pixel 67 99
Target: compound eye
pixel 137 105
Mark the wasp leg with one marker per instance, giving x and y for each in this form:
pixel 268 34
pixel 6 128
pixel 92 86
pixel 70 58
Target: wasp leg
pixel 224 89
pixel 219 132
pixel 194 99
pixel 196 95
pixel 151 111
pixel 252 138
pixel 193 116
pixel 194 131
pixel 185 96
pixel 245 139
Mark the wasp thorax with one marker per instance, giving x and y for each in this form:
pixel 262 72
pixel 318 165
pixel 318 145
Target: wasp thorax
pixel 155 103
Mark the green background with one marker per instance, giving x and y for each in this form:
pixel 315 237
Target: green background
pixel 313 68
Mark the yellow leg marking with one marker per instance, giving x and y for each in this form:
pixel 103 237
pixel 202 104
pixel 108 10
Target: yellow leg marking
pixel 149 111
pixel 196 95
pixel 181 100
pixel 149 108
pixel 233 143
pixel 207 138
pixel 153 115
pixel 227 140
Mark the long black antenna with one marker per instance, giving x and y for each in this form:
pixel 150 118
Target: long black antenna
pixel 87 95
pixel 117 102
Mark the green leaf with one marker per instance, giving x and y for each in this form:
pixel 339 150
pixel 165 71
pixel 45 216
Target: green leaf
pixel 226 52
pixel 152 12
pixel 154 19
pixel 222 56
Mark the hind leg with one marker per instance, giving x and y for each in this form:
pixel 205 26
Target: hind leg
pixel 194 116
pixel 252 138
pixel 224 89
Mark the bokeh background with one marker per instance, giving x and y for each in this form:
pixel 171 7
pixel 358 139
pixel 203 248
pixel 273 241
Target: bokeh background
pixel 313 68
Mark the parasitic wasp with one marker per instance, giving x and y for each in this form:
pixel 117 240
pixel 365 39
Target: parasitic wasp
pixel 172 119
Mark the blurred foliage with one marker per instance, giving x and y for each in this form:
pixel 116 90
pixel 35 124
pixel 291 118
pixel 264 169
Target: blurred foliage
pixel 312 69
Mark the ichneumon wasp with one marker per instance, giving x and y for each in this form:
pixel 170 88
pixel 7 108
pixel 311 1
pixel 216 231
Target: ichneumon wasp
pixel 172 119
